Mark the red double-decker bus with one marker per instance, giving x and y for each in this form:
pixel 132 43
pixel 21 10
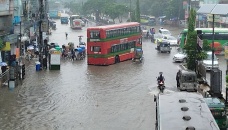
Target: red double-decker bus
pixel 112 44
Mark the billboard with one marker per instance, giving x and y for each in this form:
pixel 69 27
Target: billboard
pixel 4 5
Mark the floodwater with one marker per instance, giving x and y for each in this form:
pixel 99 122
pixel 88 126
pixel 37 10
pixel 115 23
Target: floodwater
pixel 84 97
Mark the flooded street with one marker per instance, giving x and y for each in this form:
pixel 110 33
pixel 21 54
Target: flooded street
pixel 82 97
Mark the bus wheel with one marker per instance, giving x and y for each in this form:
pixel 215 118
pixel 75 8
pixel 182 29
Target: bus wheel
pixel 117 59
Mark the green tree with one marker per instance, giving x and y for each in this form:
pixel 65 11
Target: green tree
pixel 115 10
pixel 191 42
pixel 206 47
pixel 193 54
pixel 137 12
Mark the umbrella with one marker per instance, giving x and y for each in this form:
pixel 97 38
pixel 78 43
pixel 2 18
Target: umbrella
pixel 31 47
pixel 3 64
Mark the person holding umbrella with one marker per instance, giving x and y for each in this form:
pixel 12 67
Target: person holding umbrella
pixel 3 66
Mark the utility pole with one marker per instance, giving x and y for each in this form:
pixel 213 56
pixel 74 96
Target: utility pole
pixel 130 10
pixel 41 34
pixel 20 45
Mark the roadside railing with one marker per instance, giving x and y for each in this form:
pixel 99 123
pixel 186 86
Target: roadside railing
pixel 4 77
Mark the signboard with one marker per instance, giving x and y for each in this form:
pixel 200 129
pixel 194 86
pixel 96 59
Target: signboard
pixel 55 59
pixel 200 42
pixel 44 26
pixel 123 40
pixel 7 47
pixel 210 18
pixel 17 52
pixel 226 52
pixel 185 4
pixel 4 5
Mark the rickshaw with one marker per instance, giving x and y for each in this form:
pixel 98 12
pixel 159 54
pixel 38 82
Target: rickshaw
pixel 52 25
pixel 163 46
pixel 80 53
pixel 138 55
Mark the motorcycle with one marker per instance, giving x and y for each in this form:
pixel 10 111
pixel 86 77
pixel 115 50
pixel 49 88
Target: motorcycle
pixel 161 85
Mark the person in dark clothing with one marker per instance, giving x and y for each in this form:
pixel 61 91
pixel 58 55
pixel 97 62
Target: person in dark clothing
pixel 4 69
pixel 45 62
pixel 177 78
pixel 66 35
pixel 160 77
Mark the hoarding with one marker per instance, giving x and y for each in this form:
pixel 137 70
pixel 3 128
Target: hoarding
pixel 4 5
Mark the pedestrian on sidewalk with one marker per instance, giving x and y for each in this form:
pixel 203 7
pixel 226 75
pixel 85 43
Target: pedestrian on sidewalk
pixel 178 78
pixel 66 35
pixel 44 62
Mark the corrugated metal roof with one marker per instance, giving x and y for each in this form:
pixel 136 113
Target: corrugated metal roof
pixel 206 8
pixel 220 9
pixel 172 112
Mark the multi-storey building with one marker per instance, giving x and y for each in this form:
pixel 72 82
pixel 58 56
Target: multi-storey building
pixel 6 29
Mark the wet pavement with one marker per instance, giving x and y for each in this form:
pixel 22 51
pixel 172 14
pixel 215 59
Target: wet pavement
pixel 82 97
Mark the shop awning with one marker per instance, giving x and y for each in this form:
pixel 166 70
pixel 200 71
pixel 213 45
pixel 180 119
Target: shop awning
pixel 206 8
pixel 219 9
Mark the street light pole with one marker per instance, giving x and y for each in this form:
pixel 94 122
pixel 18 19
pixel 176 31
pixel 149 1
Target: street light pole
pixel 20 42
pixel 213 37
pixel 130 10
pixel 40 33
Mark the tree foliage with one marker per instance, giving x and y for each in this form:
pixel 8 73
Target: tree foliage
pixel 169 8
pixel 137 12
pixel 193 53
pixel 191 43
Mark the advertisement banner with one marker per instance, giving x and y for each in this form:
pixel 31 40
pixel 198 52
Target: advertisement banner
pixel 7 47
pixel 226 52
pixel 17 52
pixel 55 59
pixel 4 5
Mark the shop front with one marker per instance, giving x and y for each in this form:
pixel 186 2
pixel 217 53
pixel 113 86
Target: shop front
pixel 10 47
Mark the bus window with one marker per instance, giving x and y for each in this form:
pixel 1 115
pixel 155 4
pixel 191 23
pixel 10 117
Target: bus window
pixel 95 34
pixel 138 29
pixel 107 34
pixel 126 46
pixel 207 36
pixel 140 40
pixel 221 36
pixel 112 49
pixel 95 48
pixel 121 47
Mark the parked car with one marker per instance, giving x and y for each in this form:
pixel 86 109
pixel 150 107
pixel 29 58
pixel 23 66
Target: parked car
pixel 172 40
pixel 180 57
pixel 208 61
